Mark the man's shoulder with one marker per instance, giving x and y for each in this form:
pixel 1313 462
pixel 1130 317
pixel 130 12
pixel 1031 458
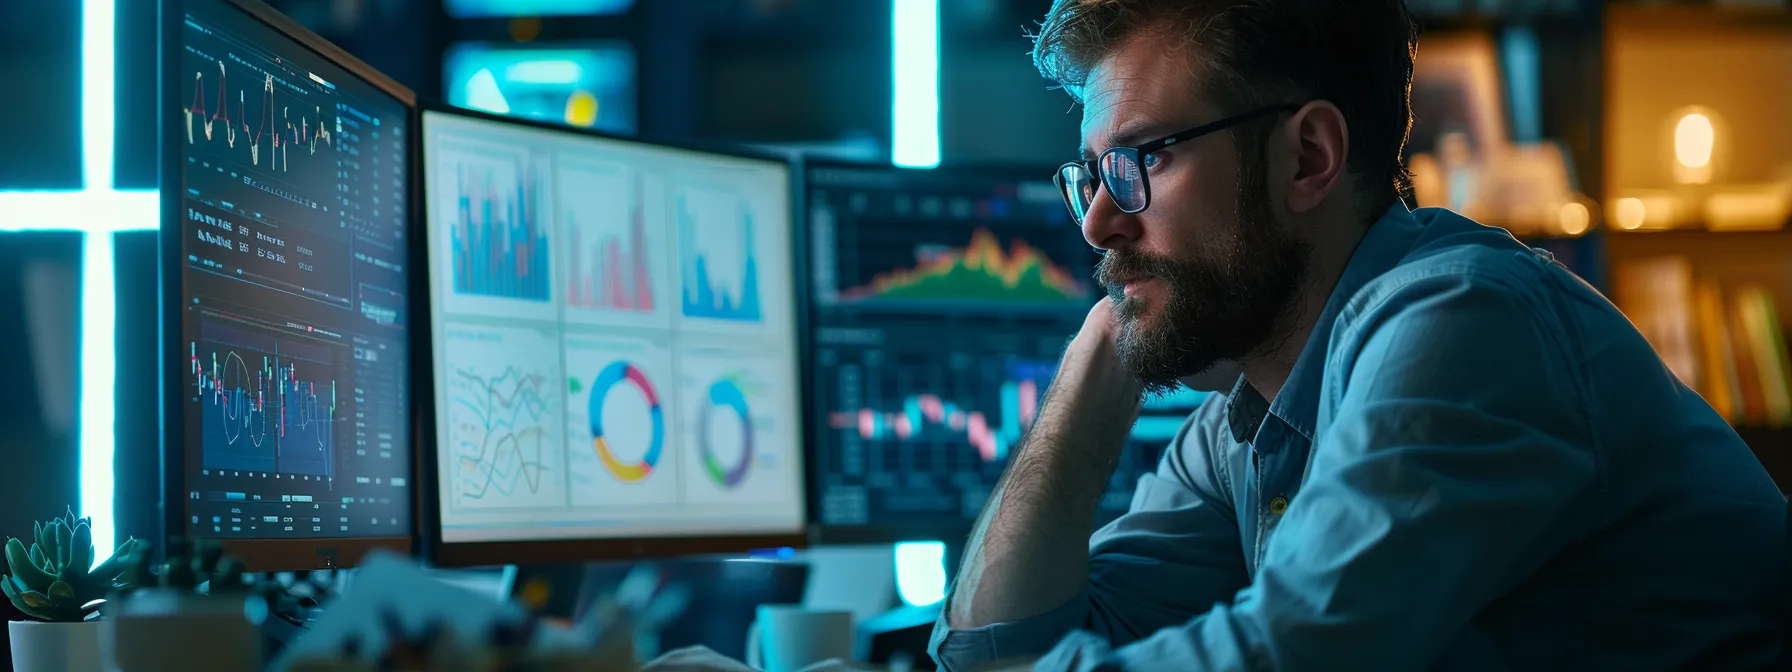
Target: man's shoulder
pixel 1456 245
pixel 1453 255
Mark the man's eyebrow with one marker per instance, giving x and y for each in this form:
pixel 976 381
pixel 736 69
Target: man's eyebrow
pixel 1129 135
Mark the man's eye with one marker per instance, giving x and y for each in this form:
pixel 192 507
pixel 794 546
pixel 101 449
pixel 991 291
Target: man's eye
pixel 1151 161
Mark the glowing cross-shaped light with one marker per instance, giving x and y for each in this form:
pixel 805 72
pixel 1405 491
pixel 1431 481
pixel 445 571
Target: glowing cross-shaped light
pixel 97 210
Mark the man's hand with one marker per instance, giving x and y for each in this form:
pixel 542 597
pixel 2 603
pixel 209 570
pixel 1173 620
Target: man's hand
pixel 1098 327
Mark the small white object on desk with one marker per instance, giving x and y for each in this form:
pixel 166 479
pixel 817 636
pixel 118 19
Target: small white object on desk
pixel 390 583
pixel 791 637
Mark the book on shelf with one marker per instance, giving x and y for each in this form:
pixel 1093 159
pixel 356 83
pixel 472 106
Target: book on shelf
pixel 1733 353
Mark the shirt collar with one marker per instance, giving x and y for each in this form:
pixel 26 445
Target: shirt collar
pixel 1382 248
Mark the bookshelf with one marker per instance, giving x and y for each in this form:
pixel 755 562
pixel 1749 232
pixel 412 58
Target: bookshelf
pixel 1697 177
pixel 1671 120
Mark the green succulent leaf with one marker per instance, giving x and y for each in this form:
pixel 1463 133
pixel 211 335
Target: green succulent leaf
pixel 43 538
pixel 29 574
pixel 120 561
pixel 35 600
pixel 61 591
pixel 130 567
pixel 12 593
pixel 37 556
pixel 65 539
pixel 81 555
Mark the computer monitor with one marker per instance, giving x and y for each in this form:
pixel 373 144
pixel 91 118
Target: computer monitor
pixel 941 301
pixel 615 345
pixel 286 271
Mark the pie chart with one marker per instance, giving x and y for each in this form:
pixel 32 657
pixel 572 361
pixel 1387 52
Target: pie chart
pixel 615 374
pixel 725 396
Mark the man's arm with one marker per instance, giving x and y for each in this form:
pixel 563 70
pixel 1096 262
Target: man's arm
pixel 1028 553
pixel 1172 555
pixel 1447 474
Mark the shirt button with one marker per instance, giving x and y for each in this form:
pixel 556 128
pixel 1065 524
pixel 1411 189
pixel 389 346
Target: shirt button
pixel 1278 505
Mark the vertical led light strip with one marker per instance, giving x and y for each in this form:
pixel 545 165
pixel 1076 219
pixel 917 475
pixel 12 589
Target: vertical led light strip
pixel 98 309
pixel 915 83
pixel 915 143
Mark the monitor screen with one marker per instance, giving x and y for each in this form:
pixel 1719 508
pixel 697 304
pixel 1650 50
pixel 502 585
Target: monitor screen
pixel 293 362
pixel 615 341
pixel 941 302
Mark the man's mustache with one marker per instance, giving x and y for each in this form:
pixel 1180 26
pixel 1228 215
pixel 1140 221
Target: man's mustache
pixel 1119 266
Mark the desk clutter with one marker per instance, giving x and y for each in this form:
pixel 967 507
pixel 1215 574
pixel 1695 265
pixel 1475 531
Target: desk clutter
pixel 198 609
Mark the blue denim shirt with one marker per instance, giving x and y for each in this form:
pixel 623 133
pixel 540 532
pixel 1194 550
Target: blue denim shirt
pixel 1477 463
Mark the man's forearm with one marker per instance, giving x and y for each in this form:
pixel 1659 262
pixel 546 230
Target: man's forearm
pixel 1029 552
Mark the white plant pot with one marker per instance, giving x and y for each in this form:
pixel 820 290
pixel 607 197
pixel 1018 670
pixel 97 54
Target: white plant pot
pixel 54 647
pixel 173 631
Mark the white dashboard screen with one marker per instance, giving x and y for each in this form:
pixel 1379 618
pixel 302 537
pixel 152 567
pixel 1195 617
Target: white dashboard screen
pixel 614 337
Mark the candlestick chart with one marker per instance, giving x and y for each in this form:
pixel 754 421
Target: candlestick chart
pixel 267 405
pixel 928 416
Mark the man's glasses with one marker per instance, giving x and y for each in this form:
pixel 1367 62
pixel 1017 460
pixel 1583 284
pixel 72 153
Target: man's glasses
pixel 1123 169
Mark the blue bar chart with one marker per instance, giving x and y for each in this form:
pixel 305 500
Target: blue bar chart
pixel 500 249
pixel 721 280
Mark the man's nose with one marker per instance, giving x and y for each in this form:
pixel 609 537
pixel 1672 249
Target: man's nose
pixel 1106 227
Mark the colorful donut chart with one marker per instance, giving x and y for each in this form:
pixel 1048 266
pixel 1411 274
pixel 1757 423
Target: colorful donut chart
pixel 725 393
pixel 613 374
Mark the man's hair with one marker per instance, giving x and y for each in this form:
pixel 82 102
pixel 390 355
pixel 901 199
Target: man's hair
pixel 1357 54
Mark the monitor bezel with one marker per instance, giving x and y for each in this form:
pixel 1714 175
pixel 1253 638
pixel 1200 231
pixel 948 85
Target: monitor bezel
pixel 485 553
pixel 257 555
pixel 814 406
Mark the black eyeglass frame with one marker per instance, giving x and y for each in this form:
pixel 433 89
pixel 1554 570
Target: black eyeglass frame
pixel 1138 153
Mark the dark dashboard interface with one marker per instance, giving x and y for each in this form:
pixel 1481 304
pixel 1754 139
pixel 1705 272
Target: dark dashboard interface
pixel 942 301
pixel 293 283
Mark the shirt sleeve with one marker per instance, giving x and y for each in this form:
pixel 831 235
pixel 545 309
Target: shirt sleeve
pixel 1456 448
pixel 1179 532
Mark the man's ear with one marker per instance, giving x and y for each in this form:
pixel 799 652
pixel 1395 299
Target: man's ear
pixel 1320 142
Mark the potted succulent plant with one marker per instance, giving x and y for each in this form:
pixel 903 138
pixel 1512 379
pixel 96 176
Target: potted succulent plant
pixel 55 582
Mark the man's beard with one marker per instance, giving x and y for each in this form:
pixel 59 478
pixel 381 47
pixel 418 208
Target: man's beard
pixel 1223 302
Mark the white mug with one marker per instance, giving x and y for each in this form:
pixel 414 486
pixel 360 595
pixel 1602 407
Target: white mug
pixel 790 637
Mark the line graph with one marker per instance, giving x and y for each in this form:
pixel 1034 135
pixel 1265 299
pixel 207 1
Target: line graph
pixel 503 405
pixel 267 406
pixel 281 132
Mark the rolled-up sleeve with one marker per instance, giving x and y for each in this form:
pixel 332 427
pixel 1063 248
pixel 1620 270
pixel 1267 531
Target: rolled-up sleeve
pixel 1174 554
pixel 1453 458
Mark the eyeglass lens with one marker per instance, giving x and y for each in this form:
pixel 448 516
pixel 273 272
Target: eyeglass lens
pixel 1120 175
pixel 1126 185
